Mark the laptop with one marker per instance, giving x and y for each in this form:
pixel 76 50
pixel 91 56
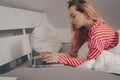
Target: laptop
pixel 36 61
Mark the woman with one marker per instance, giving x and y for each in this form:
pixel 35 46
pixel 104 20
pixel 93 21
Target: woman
pixel 86 25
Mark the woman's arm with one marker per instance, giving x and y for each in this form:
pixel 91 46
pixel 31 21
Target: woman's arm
pixel 95 48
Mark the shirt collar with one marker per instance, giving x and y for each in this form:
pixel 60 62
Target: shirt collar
pixel 97 23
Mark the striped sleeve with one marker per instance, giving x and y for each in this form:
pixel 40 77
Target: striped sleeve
pixel 95 48
pixel 70 60
pixel 96 45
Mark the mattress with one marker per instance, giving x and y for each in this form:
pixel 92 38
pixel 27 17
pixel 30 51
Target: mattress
pixel 24 72
pixel 58 73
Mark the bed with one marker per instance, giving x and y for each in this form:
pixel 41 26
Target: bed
pixel 21 44
pixel 23 72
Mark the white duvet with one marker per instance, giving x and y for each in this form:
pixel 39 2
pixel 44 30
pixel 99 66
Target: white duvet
pixel 44 38
pixel 108 61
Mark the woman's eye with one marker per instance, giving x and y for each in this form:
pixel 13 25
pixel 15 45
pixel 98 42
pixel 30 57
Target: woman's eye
pixel 73 17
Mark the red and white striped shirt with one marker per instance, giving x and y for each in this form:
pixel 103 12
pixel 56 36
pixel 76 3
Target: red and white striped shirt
pixel 100 37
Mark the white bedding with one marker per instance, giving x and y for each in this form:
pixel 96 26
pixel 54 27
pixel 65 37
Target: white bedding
pixel 44 38
pixel 108 61
pixel 101 64
pixel 58 73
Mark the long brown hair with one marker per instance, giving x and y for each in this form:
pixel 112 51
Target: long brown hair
pixel 87 7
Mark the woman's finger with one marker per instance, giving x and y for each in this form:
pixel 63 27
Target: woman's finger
pixel 49 52
pixel 46 56
pixel 48 59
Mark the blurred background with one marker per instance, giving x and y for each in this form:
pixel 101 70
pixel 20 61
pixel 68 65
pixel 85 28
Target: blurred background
pixel 57 12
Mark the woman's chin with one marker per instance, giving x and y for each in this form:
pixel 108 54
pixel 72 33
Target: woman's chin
pixel 77 27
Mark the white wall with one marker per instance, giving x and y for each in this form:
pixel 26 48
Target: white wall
pixel 12 18
pixel 57 10
pixel 109 10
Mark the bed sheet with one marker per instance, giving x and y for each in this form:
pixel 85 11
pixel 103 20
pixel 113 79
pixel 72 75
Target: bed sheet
pixel 58 73
pixel 24 72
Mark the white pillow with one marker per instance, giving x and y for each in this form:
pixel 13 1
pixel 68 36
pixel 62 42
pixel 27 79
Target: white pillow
pixel 102 60
pixel 108 62
pixel 44 38
pixel 88 64
pixel 82 53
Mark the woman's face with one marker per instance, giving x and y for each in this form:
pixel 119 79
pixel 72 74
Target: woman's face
pixel 77 19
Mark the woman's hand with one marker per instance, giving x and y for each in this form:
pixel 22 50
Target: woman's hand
pixel 51 57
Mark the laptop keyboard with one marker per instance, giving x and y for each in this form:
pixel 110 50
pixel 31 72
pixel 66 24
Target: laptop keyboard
pixel 37 63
